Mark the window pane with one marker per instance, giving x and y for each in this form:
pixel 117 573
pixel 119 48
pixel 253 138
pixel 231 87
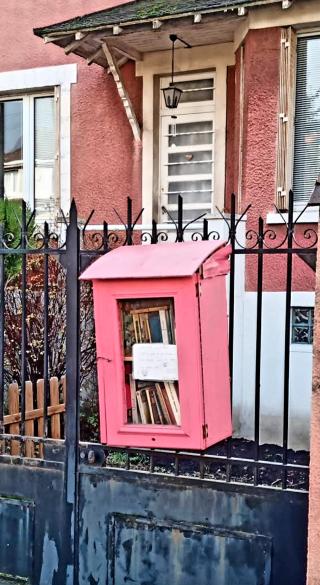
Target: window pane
pixel 190 163
pixel 13 165
pixel 197 90
pixel 188 214
pixel 45 143
pixel 191 191
pixel 191 197
pixel 302 325
pixel 307 123
pixel 191 134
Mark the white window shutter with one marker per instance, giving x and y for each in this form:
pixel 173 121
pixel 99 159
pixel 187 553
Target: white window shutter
pixel 286 116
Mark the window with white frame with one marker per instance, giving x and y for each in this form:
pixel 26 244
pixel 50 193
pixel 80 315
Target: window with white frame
pixel 30 150
pixel 187 147
pixel 302 321
pixel 307 118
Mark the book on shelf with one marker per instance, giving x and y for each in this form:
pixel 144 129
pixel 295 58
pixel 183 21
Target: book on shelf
pixel 159 408
pixel 147 325
pixel 154 403
pixel 143 407
pixel 174 400
pixel 154 413
pixel 168 419
pixel 135 413
pixel 167 402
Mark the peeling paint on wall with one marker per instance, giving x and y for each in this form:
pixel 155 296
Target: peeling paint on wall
pixel 50 561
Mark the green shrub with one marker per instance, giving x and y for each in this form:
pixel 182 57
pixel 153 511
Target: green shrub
pixel 11 219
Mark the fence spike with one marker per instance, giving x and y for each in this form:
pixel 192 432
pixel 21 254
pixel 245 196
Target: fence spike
pixel 105 236
pixel 180 219
pixel 88 219
pixel 205 235
pixel 154 233
pixel 73 213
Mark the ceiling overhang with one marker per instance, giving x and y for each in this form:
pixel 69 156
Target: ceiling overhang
pixel 111 37
pixel 131 39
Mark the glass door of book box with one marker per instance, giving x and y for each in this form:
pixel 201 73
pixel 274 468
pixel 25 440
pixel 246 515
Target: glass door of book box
pixel 150 361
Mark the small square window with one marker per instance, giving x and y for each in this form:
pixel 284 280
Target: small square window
pixel 302 325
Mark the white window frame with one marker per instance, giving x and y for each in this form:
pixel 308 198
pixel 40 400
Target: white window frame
pixel 157 64
pixel 295 343
pixel 310 215
pixel 191 111
pixel 299 205
pixel 164 178
pixel 28 140
pixel 301 299
pixel 19 83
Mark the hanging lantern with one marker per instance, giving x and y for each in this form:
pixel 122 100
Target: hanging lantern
pixel 172 93
pixel 172 96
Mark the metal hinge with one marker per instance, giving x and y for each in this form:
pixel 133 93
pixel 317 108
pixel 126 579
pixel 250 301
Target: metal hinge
pixel 286 43
pixel 198 289
pixel 283 117
pixel 205 431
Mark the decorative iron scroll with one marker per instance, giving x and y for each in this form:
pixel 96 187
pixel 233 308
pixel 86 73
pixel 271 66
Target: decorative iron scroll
pixel 28 234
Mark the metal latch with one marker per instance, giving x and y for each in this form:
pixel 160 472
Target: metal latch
pixel 205 431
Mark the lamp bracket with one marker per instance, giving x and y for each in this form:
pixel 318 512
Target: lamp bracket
pixel 173 38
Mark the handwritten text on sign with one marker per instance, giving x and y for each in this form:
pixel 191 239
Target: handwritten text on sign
pixel 155 361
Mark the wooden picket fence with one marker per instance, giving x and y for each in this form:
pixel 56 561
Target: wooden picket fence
pixel 34 421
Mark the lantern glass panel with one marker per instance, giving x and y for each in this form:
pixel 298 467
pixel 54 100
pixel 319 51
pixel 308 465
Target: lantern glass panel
pixel 150 361
pixel 172 96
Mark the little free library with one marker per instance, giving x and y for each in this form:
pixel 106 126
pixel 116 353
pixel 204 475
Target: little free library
pixel 162 345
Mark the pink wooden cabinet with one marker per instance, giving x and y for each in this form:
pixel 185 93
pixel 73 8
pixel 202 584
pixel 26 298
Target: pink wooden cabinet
pixel 162 346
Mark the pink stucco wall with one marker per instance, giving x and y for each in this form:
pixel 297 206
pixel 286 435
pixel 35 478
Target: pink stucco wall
pixel 260 120
pixel 261 80
pixel 105 159
pixel 313 576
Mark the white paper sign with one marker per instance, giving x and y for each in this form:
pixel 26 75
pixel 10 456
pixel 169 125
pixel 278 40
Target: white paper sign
pixel 155 361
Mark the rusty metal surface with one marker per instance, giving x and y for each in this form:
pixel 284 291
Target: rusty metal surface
pixel 16 519
pixel 142 529
pixel 145 552
pixel 33 516
pixel 134 529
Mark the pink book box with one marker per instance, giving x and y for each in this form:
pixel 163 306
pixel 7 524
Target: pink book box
pixel 162 345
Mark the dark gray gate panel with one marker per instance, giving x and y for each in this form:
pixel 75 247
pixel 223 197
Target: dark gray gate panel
pixel 32 521
pixel 16 536
pixel 146 553
pixel 131 522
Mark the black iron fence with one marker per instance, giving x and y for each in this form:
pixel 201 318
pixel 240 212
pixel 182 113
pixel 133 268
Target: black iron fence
pixel 46 330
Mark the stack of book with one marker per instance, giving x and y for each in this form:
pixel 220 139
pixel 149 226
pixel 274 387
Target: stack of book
pixel 153 325
pixel 149 321
pixel 154 403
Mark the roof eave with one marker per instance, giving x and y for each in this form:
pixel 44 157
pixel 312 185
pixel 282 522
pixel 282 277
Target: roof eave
pixel 45 31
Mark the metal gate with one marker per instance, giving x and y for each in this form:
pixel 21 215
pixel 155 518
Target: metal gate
pixel 79 512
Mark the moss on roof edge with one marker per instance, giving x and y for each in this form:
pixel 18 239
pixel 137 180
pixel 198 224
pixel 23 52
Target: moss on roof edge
pixel 163 9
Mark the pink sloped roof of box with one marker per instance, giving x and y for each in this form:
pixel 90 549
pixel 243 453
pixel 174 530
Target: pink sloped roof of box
pixel 154 261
